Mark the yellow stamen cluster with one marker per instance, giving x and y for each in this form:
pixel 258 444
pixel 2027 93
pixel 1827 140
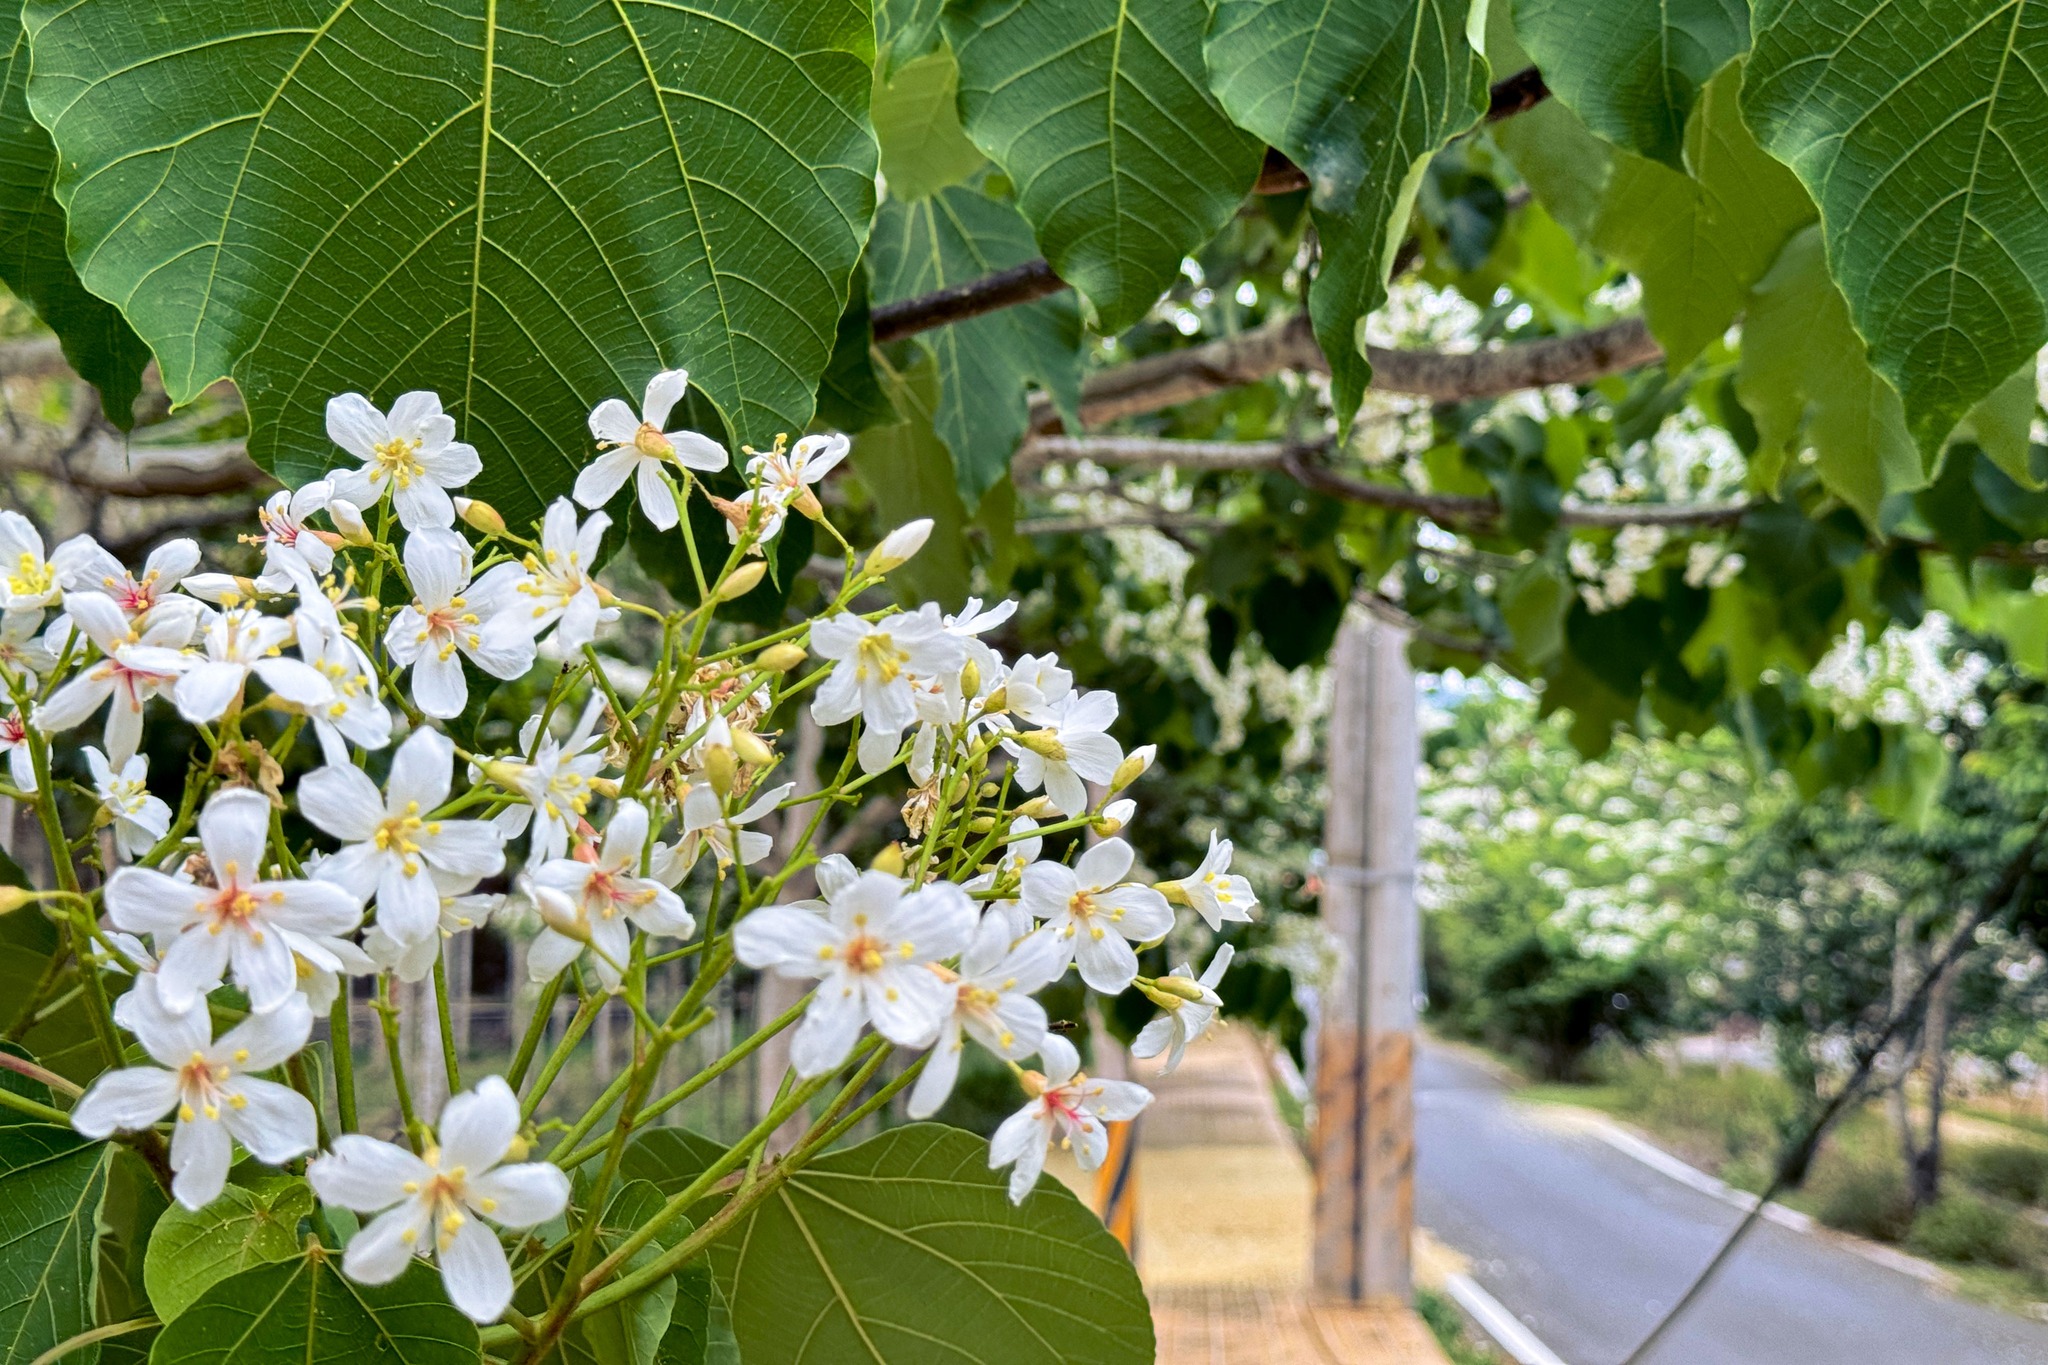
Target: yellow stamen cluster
pixel 399 458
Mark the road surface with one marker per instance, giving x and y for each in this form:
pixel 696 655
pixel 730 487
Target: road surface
pixel 1588 1247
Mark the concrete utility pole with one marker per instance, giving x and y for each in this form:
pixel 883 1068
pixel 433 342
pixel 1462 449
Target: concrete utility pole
pixel 1365 1053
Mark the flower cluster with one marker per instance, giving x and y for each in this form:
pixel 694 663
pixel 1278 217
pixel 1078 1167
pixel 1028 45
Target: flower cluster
pixel 637 833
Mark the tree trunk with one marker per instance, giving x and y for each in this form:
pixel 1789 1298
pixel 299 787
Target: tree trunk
pixel 1926 1047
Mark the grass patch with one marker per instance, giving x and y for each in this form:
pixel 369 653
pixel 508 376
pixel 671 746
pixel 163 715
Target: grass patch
pixel 1447 1325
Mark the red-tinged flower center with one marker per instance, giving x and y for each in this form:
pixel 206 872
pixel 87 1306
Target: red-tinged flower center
pixel 199 1083
pixel 12 730
pixel 234 906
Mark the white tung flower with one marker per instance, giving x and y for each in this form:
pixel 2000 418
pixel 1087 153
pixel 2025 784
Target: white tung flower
pixel 782 479
pixel 353 713
pixel 870 944
pixel 392 839
pixel 210 1084
pixel 132 669
pixel 240 922
pixel 636 447
pixel 21 653
pixel 556 784
pixel 450 616
pixel 706 825
pixel 138 818
pixel 991 1003
pixel 440 1200
pixel 21 763
pixel 1070 750
pixel 606 894
pixel 412 454
pixel 1096 914
pixel 1215 892
pixel 878 664
pixel 240 641
pixel 295 557
pixel 28 580
pixel 1185 1020
pixel 1023 850
pixel 463 908
pixel 1066 1105
pixel 84 565
pixel 558 580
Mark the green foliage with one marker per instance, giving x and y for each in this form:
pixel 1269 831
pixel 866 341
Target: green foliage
pixel 1962 1227
pixel 1911 125
pixel 917 128
pixel 51 1182
pixel 1100 113
pixel 907 1245
pixel 304 1311
pixel 555 208
pixel 1633 72
pixel 191 1252
pixel 97 341
pixel 1358 94
pixel 2006 1170
pixel 984 363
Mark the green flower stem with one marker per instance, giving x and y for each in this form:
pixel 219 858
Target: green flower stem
pixel 702 1079
pixel 389 1014
pixel 343 1047
pixel 91 1336
pixel 579 1024
pixel 604 685
pixel 536 1028
pixel 449 1060
pixel 35 1109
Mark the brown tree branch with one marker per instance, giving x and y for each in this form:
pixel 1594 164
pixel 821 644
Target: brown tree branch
pixel 193 471
pixel 1005 289
pixel 1173 377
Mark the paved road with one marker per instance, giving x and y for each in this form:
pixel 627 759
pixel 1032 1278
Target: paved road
pixel 1588 1247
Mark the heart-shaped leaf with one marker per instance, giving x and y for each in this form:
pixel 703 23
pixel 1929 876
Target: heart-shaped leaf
pixel 1360 93
pixel 1632 71
pixel 907 1247
pixel 304 1311
pixel 191 1252
pixel 1100 112
pixel 525 205
pixel 51 1180
pixel 1913 126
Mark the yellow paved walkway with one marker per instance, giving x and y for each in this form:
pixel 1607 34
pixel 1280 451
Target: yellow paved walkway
pixel 1223 1228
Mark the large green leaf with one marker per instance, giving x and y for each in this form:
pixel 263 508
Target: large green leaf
pixel 908 473
pixel 97 341
pixel 986 362
pixel 1100 112
pixel 917 126
pixel 51 1181
pixel 907 1247
pixel 304 1312
pixel 128 1214
pixel 191 1252
pixel 1917 128
pixel 1696 240
pixel 905 30
pixel 527 206
pixel 1359 93
pixel 1803 369
pixel 1632 69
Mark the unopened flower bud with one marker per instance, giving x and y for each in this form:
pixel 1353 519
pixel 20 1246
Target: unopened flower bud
pixel 221 589
pixel 521 1145
pixel 333 540
pixel 558 912
pixel 753 751
pixel 996 702
pixel 605 786
pixel 348 519
pixel 1114 817
pixel 982 824
pixel 1166 1000
pixel 1036 808
pixel 479 515
pixel 1185 988
pixel 1044 743
pixel 780 658
pixel 989 791
pixel 898 546
pixel 970 679
pixel 742 580
pixel 721 765
pixel 506 772
pixel 889 860
pixel 1134 766
pixel 12 898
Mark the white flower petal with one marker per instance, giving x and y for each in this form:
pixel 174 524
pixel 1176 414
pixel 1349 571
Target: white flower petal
pixel 365 1174
pixel 380 1253
pixel 273 1121
pixel 477 1127
pixel 125 1101
pixel 200 1154
pixel 522 1195
pixel 474 1269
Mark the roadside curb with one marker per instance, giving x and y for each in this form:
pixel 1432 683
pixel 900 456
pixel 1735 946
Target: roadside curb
pixel 1633 1144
